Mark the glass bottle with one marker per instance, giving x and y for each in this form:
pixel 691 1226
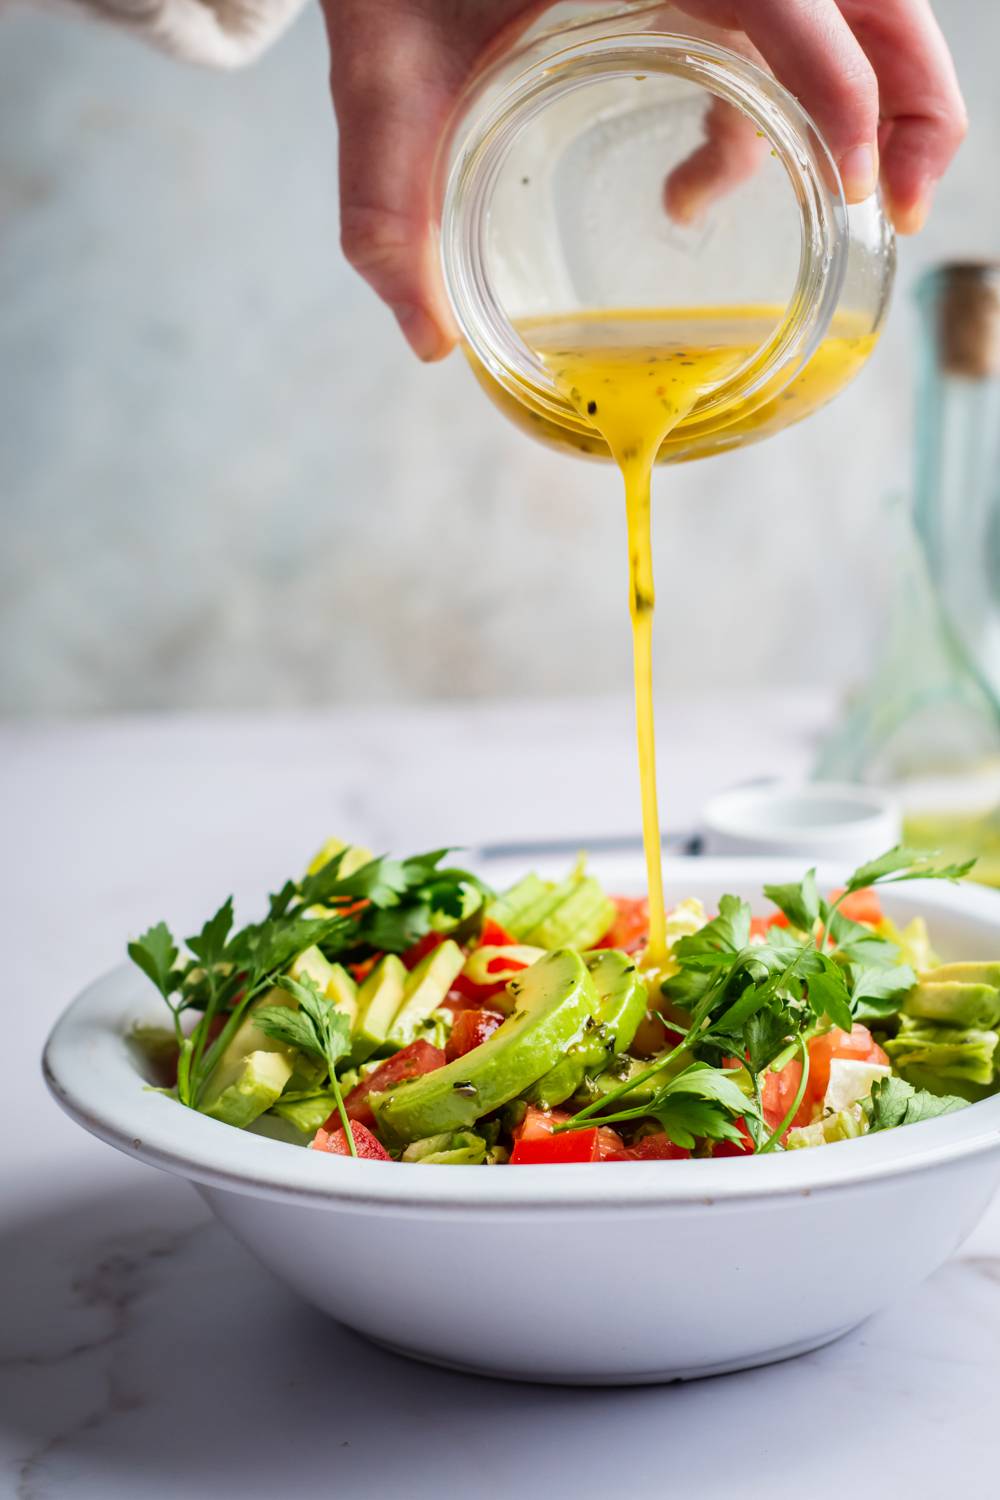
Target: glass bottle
pixel 928 722
pixel 555 205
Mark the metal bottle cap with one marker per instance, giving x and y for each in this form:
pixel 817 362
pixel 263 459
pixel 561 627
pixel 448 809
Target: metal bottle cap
pixel 968 319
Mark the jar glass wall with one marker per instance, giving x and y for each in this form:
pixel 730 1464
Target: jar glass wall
pixel 574 208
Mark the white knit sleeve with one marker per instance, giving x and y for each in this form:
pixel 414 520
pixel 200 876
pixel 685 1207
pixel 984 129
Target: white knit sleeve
pixel 217 33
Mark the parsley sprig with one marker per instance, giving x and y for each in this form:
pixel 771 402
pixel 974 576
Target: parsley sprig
pixel 383 906
pixel 318 1028
pixel 754 1005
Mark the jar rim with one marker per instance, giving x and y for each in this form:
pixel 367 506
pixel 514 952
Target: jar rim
pixel 487 329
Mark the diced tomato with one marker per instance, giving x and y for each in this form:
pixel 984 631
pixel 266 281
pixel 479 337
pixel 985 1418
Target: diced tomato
pixel 421 948
pixel 495 936
pixel 860 906
pixel 743 1147
pixel 362 970
pixel 534 1142
pixel 761 926
pixel 630 929
pixel 368 1146
pixel 412 1061
pixel 596 1143
pixel 859 1046
pixel 470 1029
pixel 780 1088
pixel 538 1123
pixel 609 1144
pixel 658 1147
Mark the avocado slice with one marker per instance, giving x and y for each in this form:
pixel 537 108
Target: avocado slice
pixel 515 909
pixel 955 1003
pixel 248 1039
pixel 354 857
pixel 622 994
pixel 251 1089
pixel 462 1148
pixel 426 986
pixel 970 972
pixel 555 998
pixel 580 920
pixel 379 998
pixel 621 1006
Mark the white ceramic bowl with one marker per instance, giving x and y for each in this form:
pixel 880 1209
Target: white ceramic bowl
pixel 597 1274
pixel 807 820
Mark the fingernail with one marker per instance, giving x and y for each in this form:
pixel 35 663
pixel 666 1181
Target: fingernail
pixel 859 172
pixel 422 333
pixel 910 218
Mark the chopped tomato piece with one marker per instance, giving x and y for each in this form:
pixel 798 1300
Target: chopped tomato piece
pixel 421 948
pixel 609 1144
pixel 495 936
pixel 761 926
pixel 553 1150
pixel 412 1061
pixel 859 1046
pixel 658 1147
pixel 368 1146
pixel 470 1029
pixel 361 971
pixel 780 1088
pixel 860 906
pixel 534 1142
pixel 743 1147
pixel 630 929
pixel 538 1123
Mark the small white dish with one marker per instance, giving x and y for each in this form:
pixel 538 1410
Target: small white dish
pixel 809 820
pixel 597 1274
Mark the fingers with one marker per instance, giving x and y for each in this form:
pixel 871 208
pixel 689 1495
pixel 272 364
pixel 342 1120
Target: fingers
pixel 811 48
pixel 923 114
pixel 730 154
pixel 393 94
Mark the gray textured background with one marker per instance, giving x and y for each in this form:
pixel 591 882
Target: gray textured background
pixel 224 483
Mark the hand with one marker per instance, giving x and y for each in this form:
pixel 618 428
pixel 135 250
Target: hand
pixel 875 75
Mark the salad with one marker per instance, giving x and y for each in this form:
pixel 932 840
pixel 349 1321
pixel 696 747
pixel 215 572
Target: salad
pixel 401 1009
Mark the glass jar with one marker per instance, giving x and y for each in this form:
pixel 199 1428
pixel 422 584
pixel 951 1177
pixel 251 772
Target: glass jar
pixel 554 209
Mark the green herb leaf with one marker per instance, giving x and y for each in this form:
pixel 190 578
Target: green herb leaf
pixel 713 945
pixel 290 1026
pixel 829 996
pixel 800 902
pixel 877 993
pixel 155 952
pixel 330 1027
pixel 893 1102
pixel 210 944
pixel 901 863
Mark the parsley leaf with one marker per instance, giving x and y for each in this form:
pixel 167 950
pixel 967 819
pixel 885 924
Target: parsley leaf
pixel 894 1102
pixel 317 1027
pixel 210 944
pixel 877 993
pixel 829 996
pixel 156 953
pixel 713 945
pixel 799 902
pixel 901 863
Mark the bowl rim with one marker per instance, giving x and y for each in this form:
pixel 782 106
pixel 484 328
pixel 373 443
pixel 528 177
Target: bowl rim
pixel 87 1067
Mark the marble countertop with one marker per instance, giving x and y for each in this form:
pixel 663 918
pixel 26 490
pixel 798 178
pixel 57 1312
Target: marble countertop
pixel 145 1356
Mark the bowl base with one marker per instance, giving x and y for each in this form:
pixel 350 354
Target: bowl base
pixel 669 1376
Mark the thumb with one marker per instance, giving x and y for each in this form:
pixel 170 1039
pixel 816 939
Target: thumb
pixel 394 85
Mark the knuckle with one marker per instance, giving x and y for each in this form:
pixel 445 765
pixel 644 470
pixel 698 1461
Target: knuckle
pixel 373 238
